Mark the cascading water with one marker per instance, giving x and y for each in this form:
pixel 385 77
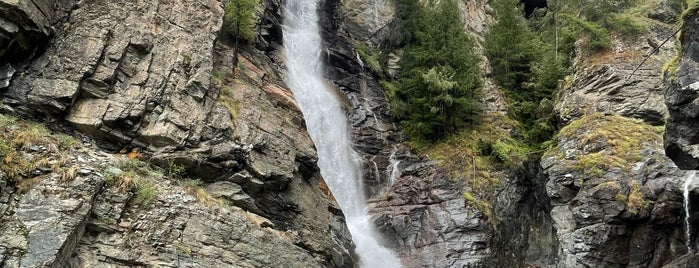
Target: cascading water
pixel 691 176
pixel 393 169
pixel 329 130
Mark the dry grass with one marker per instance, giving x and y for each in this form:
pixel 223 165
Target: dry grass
pixel 635 201
pixel 26 146
pixel 194 188
pixel 68 174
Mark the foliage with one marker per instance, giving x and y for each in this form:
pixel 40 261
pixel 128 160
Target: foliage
pixel 440 84
pixel 174 170
pixel 511 47
pixel 146 191
pixel 598 37
pixel 239 19
pixel 526 67
pixel 372 58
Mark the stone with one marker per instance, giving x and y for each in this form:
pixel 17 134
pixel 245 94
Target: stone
pixel 681 143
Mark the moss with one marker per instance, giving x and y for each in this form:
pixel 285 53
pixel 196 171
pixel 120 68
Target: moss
pixel 476 154
pixel 227 99
pixel 621 139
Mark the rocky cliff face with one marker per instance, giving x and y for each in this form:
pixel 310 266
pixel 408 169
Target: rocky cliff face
pixel 155 78
pixel 617 200
pixel 680 96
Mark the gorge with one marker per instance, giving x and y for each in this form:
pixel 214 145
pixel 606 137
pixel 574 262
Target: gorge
pixel 128 138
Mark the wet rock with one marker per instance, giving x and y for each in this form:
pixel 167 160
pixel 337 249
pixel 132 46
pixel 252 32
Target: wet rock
pixel 681 140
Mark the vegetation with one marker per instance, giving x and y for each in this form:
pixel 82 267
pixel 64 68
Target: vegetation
pixel 623 139
pixel 439 89
pixel 28 149
pixel 527 68
pixel 477 155
pixel 635 201
pixel 239 21
pixel 194 188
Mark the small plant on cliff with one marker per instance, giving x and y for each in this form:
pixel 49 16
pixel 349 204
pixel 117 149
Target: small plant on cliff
pixel 239 21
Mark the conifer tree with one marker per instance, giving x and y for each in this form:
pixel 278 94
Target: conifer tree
pixel 239 21
pixel 440 86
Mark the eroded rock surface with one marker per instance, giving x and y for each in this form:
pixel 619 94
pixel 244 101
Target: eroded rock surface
pixel 155 78
pixel 681 138
pixel 604 83
pixel 617 200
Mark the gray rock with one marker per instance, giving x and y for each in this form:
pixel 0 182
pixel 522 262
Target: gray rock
pixel 681 143
pixel 618 216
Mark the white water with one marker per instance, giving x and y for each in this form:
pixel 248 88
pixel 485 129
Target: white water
pixel 393 169
pixel 329 129
pixel 691 176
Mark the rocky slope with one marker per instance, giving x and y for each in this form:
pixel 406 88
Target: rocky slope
pixel 146 77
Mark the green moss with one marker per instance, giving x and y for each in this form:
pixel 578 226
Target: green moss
pixel 479 155
pixel 622 139
pixel 227 99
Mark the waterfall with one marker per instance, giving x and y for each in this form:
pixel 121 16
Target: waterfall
pixel 687 210
pixel 329 129
pixel 393 169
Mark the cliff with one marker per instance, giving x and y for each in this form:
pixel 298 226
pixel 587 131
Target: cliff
pixel 128 139
pixel 154 79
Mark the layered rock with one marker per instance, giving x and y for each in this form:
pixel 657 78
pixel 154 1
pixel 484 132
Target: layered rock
pixel 619 81
pixel 155 78
pixel 681 140
pixel 617 201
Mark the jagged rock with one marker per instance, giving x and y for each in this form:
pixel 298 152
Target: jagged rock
pixel 25 26
pixel 613 205
pixel 148 76
pixel 681 139
pixel 665 11
pixel 604 82
pixel 426 218
pixel 369 20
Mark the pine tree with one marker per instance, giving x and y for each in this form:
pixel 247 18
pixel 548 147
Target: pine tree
pixel 239 21
pixel 440 87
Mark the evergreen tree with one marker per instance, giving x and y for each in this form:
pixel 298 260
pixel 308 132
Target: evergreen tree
pixel 239 21
pixel 440 86
pixel 511 47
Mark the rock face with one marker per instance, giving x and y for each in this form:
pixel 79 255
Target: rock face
pixel 681 140
pixel 605 83
pixel 617 201
pixel 154 78
pixel 426 216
